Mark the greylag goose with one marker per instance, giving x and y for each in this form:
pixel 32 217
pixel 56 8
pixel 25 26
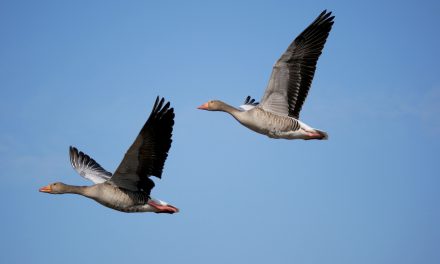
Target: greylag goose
pixel 277 114
pixel 128 189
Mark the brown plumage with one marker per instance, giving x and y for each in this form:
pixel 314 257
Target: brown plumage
pixel 288 87
pixel 128 189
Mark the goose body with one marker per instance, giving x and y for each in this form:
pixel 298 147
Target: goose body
pixel 277 115
pixel 276 126
pixel 128 189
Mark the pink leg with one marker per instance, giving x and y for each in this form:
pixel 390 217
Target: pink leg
pixel 315 136
pixel 164 208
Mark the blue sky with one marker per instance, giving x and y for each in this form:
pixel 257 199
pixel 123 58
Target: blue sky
pixel 86 74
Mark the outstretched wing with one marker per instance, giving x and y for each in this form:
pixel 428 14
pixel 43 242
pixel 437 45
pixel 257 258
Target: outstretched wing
pixel 87 167
pixel 249 103
pixel 293 73
pixel 147 154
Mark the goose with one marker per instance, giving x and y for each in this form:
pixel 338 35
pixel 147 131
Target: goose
pixel 128 188
pixel 277 114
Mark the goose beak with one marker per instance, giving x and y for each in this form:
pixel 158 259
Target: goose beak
pixel 46 189
pixel 203 106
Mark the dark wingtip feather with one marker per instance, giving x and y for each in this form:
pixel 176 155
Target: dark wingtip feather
pixel 303 53
pixel 73 154
pixel 72 149
pixel 156 102
pixel 161 120
pixel 250 101
pixel 324 16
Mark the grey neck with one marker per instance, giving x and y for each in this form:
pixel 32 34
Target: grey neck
pixel 81 190
pixel 228 109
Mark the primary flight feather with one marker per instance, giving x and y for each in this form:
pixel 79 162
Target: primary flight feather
pixel 128 188
pixel 277 114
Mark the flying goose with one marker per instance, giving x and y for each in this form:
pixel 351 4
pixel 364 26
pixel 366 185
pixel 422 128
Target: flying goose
pixel 128 189
pixel 277 114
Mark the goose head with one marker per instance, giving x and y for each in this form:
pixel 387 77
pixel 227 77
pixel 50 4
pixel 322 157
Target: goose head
pixel 213 105
pixel 162 207
pixel 55 188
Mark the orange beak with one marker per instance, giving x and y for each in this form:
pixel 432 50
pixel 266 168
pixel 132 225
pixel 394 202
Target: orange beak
pixel 203 106
pixel 46 189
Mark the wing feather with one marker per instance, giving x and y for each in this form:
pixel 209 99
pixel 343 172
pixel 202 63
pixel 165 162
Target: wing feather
pixel 87 167
pixel 146 156
pixel 249 103
pixel 293 73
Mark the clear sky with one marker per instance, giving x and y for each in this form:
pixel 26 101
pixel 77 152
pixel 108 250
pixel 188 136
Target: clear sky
pixel 86 73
